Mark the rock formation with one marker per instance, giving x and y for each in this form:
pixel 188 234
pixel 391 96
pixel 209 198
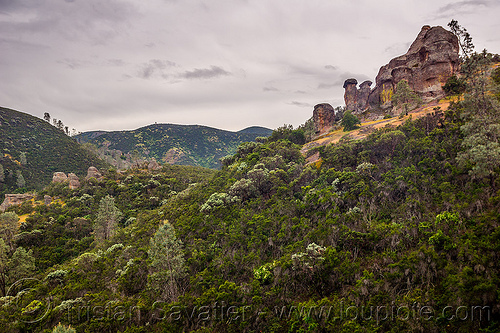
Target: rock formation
pixel 431 59
pixel 47 199
pixel 74 181
pixel 92 172
pixel 14 200
pixel 153 165
pixel 59 177
pixel 356 99
pixel 323 118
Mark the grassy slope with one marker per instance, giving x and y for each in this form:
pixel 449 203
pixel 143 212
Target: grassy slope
pixel 47 150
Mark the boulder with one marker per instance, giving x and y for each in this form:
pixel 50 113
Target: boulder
pixel 323 118
pixel 92 172
pixel 14 200
pixel 59 177
pixel 74 181
pixel 47 199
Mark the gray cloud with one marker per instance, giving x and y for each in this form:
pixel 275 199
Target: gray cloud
pixel 155 66
pixel 331 67
pixel 120 64
pixel 467 6
pixel 270 89
pixel 204 73
pixel 301 104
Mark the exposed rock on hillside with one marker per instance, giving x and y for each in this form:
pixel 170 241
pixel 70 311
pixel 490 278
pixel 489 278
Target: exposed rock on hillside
pixel 92 172
pixel 323 118
pixel 59 177
pixel 430 61
pixel 74 181
pixel 14 200
pixel 153 165
pixel 356 99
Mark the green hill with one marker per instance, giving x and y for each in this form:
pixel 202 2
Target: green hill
pixel 33 148
pixel 174 144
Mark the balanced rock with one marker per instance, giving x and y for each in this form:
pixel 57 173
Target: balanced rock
pixel 14 200
pixel 92 172
pixel 356 99
pixel 59 177
pixel 74 181
pixel 351 94
pixel 323 118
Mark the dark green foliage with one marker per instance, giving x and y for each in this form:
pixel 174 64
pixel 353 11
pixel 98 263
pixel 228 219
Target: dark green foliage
pixel 394 222
pixel 464 38
pixel 405 98
pixel 350 121
pixel 31 150
pixel 286 132
pixel 454 86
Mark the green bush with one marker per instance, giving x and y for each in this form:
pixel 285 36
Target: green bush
pixel 350 121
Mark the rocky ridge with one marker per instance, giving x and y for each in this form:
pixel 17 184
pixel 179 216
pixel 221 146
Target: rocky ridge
pixel 431 59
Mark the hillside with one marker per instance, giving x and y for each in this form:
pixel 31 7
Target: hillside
pixel 393 227
pixel 173 144
pixel 45 149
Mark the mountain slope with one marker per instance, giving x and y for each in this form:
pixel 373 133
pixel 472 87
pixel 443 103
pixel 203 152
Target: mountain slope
pixel 45 149
pixel 175 144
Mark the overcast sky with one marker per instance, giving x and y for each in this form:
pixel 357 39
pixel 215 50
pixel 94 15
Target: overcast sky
pixel 230 64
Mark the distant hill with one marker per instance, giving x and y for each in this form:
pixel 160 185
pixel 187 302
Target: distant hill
pixel 174 144
pixel 257 130
pixel 33 148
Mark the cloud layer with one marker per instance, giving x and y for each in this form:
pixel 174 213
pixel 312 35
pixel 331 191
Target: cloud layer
pixel 122 64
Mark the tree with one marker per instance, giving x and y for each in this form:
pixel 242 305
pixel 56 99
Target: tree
pixel 8 227
pixel 46 117
pixel 2 173
pixel 350 121
pixel 167 262
pixel 20 182
pixel 60 125
pixel 464 38
pixel 405 97
pixel 481 112
pixel 107 219
pixel 12 268
pixel 22 158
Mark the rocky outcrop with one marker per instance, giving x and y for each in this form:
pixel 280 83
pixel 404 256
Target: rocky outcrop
pixel 14 200
pixel 47 199
pixel 92 172
pixel 153 165
pixel 59 177
pixel 356 99
pixel 323 118
pixel 74 181
pixel 351 94
pixel 363 94
pixel 431 59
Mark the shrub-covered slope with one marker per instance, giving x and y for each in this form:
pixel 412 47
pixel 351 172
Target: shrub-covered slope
pixel 398 232
pixel 31 147
pixel 176 144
